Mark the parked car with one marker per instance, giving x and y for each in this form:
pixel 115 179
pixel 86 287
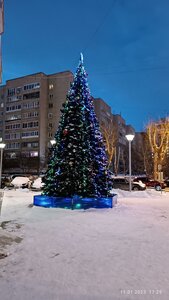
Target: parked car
pixel 151 183
pixel 5 181
pixel 123 184
pixel 166 181
pixel 20 182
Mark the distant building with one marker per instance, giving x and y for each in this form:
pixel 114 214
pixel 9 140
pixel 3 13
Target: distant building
pixel 103 111
pixel 120 127
pixel 121 149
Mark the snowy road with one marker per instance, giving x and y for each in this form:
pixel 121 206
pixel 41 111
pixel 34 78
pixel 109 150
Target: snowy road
pixel 119 253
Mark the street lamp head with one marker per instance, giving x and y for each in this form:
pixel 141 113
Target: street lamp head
pixel 2 145
pixel 130 137
pixel 53 142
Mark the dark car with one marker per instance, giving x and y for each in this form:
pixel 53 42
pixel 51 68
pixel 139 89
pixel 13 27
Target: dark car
pixel 123 184
pixel 151 183
pixel 166 181
pixel 5 182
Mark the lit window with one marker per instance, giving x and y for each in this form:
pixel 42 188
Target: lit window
pixel 50 86
pixel 33 153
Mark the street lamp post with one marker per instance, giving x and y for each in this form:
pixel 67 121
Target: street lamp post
pixel 130 137
pixel 2 146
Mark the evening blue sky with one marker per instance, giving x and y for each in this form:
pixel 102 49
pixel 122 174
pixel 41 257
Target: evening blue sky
pixel 125 44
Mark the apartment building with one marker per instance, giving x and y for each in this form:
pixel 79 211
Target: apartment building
pixel 29 116
pixel 103 111
pixel 116 130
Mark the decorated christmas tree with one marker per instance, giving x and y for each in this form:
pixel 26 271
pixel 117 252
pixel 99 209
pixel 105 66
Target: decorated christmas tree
pixel 78 162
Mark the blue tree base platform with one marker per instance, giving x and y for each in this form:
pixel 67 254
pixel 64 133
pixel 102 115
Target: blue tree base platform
pixel 75 202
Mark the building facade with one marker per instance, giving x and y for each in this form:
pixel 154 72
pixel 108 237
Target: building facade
pixel 115 128
pixel 103 111
pixel 29 116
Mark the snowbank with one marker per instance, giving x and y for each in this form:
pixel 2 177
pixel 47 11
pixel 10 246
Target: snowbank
pixel 38 184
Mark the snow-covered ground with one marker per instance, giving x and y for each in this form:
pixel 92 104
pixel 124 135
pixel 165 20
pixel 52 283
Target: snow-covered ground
pixel 56 254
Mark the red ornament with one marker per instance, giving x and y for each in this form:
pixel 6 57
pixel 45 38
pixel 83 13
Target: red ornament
pixel 65 132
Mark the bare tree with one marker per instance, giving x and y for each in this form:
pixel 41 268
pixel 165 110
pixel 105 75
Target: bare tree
pixel 117 154
pixel 110 138
pixel 145 153
pixel 158 135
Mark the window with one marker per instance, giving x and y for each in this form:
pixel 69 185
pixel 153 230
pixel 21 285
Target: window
pixel 25 154
pixel 13 107
pixel 29 154
pixel 2 105
pixel 7 136
pixel 30 134
pixel 50 125
pixel 11 92
pixel 13 117
pixel 30 124
pixel 11 155
pixel 18 90
pixel 13 126
pixel 33 153
pixel 51 86
pixel 31 86
pixel 13 145
pixel 30 144
pixel 50 134
pixel 51 96
pixel 30 105
pixel 14 98
pixel 50 105
pixel 31 95
pixel 30 114
pixel 50 115
pixel 12 136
